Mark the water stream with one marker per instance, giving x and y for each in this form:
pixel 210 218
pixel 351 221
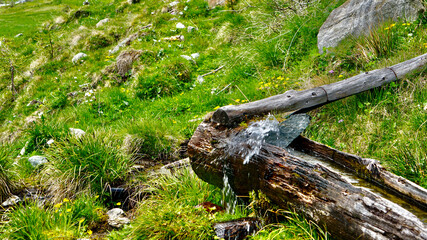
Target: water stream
pixel 248 142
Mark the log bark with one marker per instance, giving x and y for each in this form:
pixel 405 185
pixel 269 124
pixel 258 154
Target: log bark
pixel 368 169
pixel 348 212
pixel 316 97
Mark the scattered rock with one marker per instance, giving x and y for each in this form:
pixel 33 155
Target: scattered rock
pixel 133 1
pixel 190 29
pixel 11 201
pixel 78 57
pixel 192 57
pixel 173 4
pixel 102 22
pixel 125 60
pixel 86 2
pixel 77 133
pixel 237 229
pixel 195 55
pixel 37 160
pixel 116 218
pixel 214 3
pixel 186 57
pixel 22 152
pixel 19 35
pixel 172 167
pixel 124 42
pixel 357 17
pixel 180 26
pixel 50 142
pixel 174 38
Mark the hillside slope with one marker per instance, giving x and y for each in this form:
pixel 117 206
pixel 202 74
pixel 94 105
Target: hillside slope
pixel 139 94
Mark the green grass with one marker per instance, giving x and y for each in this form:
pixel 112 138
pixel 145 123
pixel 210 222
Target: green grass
pixel 66 220
pixel 89 164
pixel 265 50
pixel 7 177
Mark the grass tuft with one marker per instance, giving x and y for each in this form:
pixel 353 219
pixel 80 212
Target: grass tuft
pixel 92 164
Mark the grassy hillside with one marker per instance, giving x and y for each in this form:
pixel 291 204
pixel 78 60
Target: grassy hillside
pixel 140 113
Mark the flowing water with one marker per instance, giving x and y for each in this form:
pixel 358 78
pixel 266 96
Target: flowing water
pixel 247 143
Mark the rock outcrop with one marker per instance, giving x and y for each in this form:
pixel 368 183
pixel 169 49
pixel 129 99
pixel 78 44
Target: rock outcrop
pixel 356 17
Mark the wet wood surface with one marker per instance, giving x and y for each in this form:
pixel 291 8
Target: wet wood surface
pixel 347 212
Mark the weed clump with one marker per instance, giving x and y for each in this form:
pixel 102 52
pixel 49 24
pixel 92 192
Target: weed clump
pixel 92 164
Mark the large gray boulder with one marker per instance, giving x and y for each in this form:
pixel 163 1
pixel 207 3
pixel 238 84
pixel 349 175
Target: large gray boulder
pixel 356 17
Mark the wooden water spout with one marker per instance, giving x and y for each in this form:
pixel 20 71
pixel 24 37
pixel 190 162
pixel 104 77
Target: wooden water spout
pixel 319 193
pixel 315 97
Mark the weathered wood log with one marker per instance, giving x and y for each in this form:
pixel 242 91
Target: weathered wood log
pixel 311 98
pixel 238 229
pixel 348 212
pixel 368 169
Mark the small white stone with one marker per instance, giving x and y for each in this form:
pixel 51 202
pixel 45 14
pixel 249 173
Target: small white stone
pixel 13 200
pixel 173 4
pixel 37 160
pixel 78 133
pixel 180 26
pixel 195 56
pixel 77 57
pixel 190 29
pixel 50 142
pixel 186 57
pixel 102 22
pixel 116 218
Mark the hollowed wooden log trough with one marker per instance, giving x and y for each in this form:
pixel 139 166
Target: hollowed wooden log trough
pixel 323 195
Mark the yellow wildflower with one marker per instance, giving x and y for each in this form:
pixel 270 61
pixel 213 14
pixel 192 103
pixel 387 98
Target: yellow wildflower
pixel 119 203
pixel 340 76
pixel 68 209
pixel 89 232
pixel 66 200
pixel 174 121
pixel 81 220
pixel 58 205
pixel 237 100
pixel 215 108
pixel 386 28
pixel 392 25
pixel 76 122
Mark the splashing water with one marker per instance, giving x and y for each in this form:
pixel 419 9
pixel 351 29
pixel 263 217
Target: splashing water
pixel 229 198
pixel 248 142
